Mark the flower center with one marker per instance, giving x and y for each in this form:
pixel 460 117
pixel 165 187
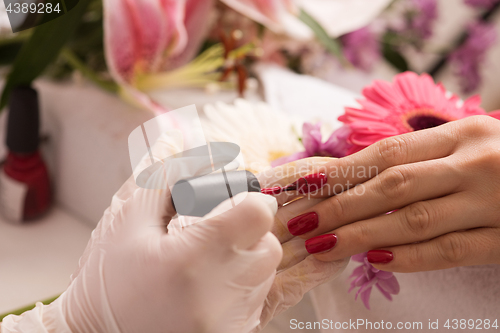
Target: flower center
pixel 422 119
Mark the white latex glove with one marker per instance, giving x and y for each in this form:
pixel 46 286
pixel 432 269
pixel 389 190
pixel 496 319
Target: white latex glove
pixel 134 277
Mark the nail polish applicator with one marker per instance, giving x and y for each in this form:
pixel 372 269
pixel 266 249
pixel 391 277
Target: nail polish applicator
pixel 198 196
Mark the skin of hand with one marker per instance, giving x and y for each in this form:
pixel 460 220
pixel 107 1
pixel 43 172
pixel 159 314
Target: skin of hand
pixel 442 187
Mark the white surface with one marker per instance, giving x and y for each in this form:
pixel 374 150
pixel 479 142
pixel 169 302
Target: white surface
pixel 37 259
pixel 302 312
pixel 458 293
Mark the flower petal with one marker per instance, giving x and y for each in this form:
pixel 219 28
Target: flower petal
pixel 121 41
pixel 266 12
pixel 385 293
pixel 358 271
pixel 339 17
pixel 337 144
pixel 311 138
pixel 365 297
pixel 384 275
pixel 495 114
pixel 196 19
pixel 359 257
pixel 390 285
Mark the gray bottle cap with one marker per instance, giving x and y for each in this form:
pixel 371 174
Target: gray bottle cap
pixel 199 196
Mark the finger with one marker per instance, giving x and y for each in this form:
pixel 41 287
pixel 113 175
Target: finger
pixel 239 227
pixel 428 144
pixel 394 188
pixel 288 174
pixel 417 222
pixel 290 285
pixel 286 213
pixel 462 248
pixel 294 252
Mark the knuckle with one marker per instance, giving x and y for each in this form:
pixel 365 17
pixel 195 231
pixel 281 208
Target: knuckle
pixel 392 150
pixel 393 183
pixel 478 125
pixel 418 219
pixel 335 207
pixel 490 158
pixel 453 249
pixel 361 233
pixel 414 259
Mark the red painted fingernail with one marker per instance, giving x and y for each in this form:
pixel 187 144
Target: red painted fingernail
pixel 308 183
pixel 302 224
pixel 303 185
pixel 272 190
pixel 321 243
pixel 379 256
pixel 314 183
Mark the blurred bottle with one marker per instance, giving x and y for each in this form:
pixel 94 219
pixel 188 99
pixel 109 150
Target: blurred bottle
pixel 25 191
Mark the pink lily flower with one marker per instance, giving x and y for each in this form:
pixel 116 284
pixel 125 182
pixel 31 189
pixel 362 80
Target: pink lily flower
pixel 151 36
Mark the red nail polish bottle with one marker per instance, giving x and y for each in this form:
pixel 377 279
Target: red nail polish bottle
pixel 25 191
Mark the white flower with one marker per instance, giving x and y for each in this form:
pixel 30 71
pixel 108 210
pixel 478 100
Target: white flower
pixel 262 133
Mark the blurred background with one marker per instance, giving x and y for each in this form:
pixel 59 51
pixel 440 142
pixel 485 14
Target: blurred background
pixel 100 74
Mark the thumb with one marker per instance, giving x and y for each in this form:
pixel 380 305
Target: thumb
pixel 238 227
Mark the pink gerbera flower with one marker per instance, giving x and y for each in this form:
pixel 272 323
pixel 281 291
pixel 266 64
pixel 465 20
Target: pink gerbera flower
pixel 411 103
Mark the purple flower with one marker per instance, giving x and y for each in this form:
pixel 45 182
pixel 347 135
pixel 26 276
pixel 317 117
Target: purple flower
pixel 361 48
pixel 336 145
pixel 425 13
pixel 469 56
pixel 486 4
pixel 366 276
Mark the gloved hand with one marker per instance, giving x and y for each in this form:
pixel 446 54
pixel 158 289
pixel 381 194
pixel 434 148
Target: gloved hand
pixel 134 277
pixel 212 277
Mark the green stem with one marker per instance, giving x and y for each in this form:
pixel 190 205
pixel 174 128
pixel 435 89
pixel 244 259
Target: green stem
pixel 18 38
pixel 77 64
pixel 330 44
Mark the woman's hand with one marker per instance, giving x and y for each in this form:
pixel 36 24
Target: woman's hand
pixel 442 186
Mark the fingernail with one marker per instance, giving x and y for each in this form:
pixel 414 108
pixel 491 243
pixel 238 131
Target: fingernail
pixel 272 190
pixel 379 256
pixel 321 243
pixel 311 183
pixel 302 224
